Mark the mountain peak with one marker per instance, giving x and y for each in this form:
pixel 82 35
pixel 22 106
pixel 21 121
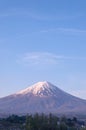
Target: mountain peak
pixel 43 83
pixel 42 97
pixel 44 88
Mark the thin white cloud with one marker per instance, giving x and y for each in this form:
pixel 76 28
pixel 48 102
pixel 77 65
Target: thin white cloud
pixel 79 93
pixel 42 58
pixel 34 14
pixel 75 84
pixel 45 58
pixel 65 30
pixel 73 58
pixel 72 30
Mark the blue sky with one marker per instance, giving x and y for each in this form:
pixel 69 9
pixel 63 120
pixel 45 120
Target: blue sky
pixel 43 40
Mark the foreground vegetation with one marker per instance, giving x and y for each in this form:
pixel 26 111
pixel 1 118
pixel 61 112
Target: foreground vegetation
pixel 41 122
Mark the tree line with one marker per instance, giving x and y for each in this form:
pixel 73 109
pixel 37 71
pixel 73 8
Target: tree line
pixel 42 122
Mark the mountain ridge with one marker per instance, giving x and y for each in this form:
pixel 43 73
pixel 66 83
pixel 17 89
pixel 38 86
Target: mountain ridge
pixel 42 97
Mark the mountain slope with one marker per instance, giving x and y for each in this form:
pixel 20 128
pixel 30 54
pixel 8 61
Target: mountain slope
pixel 42 97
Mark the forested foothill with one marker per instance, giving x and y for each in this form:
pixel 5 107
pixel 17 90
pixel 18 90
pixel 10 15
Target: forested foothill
pixel 41 122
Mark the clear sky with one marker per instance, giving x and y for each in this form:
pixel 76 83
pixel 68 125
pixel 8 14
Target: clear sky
pixel 43 40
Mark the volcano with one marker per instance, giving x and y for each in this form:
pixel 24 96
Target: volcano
pixel 42 97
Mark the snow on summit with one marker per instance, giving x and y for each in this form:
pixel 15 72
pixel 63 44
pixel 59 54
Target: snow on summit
pixel 40 88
